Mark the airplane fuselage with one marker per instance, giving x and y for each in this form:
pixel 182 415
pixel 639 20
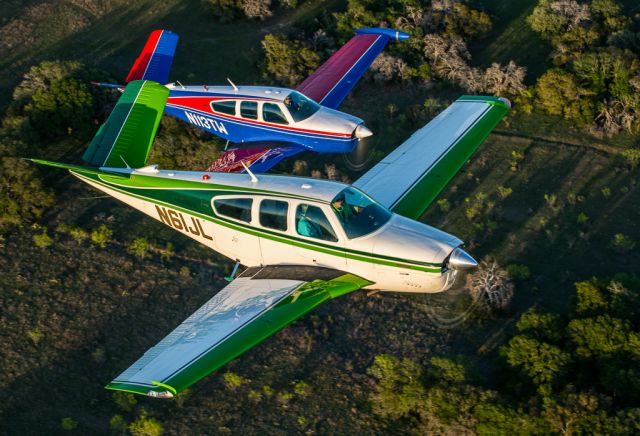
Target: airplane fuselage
pixel 403 255
pixel 253 114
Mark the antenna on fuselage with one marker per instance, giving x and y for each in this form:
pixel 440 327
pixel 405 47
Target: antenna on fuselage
pixel 254 179
pixel 235 88
pixel 125 162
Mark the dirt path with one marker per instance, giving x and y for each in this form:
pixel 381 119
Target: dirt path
pixel 552 141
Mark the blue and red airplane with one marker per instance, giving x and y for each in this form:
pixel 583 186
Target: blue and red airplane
pixel 266 124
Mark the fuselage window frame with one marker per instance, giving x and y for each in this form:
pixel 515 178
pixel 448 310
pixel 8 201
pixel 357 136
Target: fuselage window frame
pixel 224 104
pixel 283 217
pixel 219 213
pixel 313 224
pixel 249 115
pixel 280 112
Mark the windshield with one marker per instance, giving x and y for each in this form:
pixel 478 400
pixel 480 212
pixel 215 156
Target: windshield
pixel 300 107
pixel 358 214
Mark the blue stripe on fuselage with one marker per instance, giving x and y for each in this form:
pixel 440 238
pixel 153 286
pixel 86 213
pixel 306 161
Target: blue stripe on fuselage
pixel 240 132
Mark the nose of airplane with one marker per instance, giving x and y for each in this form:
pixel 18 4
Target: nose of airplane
pixel 362 132
pixel 461 260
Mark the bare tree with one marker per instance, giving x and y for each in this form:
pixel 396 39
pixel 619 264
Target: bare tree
pixel 387 67
pixel 300 167
pixel 504 80
pixel 614 116
pixel 257 8
pixel 413 18
pixel 575 13
pixel 443 5
pixel 490 286
pixel 331 171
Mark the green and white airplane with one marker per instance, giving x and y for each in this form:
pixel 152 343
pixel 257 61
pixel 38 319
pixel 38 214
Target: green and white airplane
pixel 303 241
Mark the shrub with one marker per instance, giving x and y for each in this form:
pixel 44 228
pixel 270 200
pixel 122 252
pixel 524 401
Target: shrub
pixel 145 426
pixel 69 424
pixel 101 235
pixel 139 247
pixel 42 240
pixel 233 380
pixel 622 243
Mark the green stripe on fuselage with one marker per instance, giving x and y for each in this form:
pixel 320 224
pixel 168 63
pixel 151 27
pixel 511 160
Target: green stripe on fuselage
pixel 197 201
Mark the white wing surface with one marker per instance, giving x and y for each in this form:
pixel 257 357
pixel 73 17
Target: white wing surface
pixel 251 308
pixel 411 177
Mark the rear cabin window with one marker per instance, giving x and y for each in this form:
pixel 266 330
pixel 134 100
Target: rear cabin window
pixel 224 107
pixel 249 109
pixel 272 113
pixel 313 223
pixel 236 208
pixel 273 214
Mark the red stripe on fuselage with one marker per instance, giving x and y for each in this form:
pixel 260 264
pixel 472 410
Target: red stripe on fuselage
pixel 320 83
pixel 203 104
pixel 141 64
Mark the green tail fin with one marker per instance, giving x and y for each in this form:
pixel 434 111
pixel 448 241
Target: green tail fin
pixel 125 138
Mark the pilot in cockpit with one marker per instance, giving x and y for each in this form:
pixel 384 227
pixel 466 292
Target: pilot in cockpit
pixel 343 210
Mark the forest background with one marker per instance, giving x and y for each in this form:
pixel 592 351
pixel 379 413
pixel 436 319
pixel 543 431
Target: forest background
pixel 550 202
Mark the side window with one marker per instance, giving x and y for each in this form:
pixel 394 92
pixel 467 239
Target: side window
pixel 249 109
pixel 271 113
pixel 224 107
pixel 237 208
pixel 273 214
pixel 312 222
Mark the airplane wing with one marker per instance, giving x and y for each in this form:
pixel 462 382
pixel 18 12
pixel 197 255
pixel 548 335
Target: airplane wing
pixel 411 177
pixel 331 83
pixel 257 304
pixel 156 58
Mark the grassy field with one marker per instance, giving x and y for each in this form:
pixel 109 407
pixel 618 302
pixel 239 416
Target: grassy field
pixel 79 314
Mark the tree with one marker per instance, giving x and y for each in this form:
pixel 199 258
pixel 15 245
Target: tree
pixel 599 336
pixel 41 76
pixel 224 10
pixel 145 426
pixel 287 61
pixel 399 391
pixel 22 196
pixel 66 104
pixel 539 361
pixel 260 9
pixel 558 93
pixel 490 286
pixel 386 68
pixel 466 22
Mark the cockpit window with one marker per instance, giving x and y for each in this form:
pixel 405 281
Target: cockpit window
pixel 299 106
pixel 224 107
pixel 272 113
pixel 359 214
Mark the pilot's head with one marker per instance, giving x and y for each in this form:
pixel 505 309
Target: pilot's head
pixel 287 100
pixel 338 201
